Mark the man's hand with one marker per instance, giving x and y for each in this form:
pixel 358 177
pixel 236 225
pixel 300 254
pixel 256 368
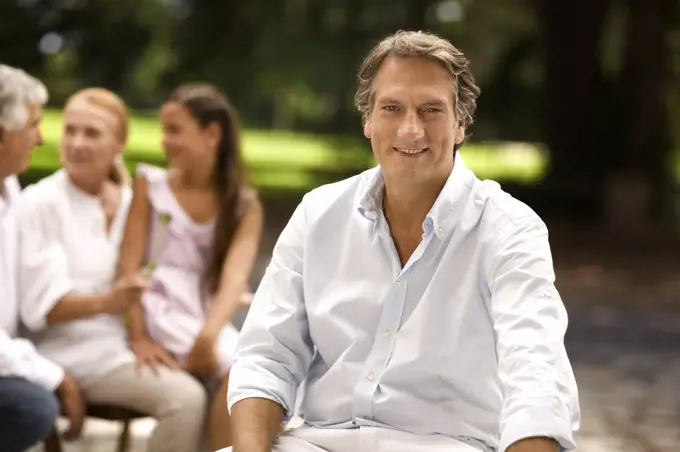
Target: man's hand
pixel 152 354
pixel 537 444
pixel 201 360
pixel 73 404
pixel 125 292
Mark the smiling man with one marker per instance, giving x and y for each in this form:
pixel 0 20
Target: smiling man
pixel 28 407
pixel 416 301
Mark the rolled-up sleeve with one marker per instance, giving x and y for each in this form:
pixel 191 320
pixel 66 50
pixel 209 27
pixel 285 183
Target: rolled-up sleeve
pixel 274 348
pixel 43 262
pixel 540 397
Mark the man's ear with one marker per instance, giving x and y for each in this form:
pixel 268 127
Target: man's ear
pixel 367 129
pixel 460 132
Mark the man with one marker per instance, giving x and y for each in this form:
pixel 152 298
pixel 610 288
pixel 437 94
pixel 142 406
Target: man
pixel 28 407
pixel 416 300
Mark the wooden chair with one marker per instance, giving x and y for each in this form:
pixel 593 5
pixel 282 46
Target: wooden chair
pixel 109 413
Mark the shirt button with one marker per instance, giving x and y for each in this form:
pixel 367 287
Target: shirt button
pixel 370 376
pixel 440 229
pixel 398 283
pixel 388 333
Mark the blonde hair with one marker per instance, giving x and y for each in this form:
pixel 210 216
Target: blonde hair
pixel 111 102
pixel 418 44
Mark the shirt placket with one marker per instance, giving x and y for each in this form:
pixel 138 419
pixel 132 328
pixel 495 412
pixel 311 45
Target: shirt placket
pixel 385 336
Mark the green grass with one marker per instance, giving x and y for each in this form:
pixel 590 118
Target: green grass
pixel 297 161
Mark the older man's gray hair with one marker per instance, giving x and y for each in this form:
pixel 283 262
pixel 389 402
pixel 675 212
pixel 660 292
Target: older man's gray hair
pixel 17 89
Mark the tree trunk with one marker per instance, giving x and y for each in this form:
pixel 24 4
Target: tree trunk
pixel 572 30
pixel 608 139
pixel 640 177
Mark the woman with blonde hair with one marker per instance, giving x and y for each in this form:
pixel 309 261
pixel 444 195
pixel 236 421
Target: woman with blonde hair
pixel 71 227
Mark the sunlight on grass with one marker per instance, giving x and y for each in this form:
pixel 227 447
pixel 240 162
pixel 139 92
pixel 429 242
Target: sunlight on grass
pixel 525 162
pixel 290 180
pixel 270 148
pixel 289 160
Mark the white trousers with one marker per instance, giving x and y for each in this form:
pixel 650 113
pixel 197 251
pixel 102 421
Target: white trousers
pixel 176 399
pixel 364 439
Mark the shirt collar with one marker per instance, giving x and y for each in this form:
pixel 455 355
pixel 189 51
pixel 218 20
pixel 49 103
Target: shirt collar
pixel 370 201
pixel 9 190
pixel 441 213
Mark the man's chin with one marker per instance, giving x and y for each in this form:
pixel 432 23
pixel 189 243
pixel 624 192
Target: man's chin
pixel 14 170
pixel 25 166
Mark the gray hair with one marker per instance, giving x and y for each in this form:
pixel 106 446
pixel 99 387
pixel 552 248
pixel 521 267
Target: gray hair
pixel 418 44
pixel 17 89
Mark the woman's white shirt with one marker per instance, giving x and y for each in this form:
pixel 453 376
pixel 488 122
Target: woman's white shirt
pixel 64 247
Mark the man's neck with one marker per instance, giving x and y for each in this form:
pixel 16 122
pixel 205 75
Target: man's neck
pixel 3 178
pixel 406 206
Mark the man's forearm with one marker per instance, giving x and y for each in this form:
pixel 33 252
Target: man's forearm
pixel 538 444
pixel 255 424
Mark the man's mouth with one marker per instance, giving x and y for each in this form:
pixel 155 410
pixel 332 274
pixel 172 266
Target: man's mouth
pixel 410 151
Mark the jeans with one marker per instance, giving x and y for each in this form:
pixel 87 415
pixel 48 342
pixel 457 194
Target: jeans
pixel 27 414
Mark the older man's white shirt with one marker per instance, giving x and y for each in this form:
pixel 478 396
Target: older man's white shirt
pixel 466 340
pixel 18 357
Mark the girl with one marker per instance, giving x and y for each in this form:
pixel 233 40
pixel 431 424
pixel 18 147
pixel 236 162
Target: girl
pixel 71 226
pixel 197 229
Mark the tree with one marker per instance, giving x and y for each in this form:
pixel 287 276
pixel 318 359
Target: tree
pixel 607 131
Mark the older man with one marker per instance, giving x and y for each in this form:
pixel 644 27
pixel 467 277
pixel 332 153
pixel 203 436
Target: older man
pixel 28 407
pixel 415 300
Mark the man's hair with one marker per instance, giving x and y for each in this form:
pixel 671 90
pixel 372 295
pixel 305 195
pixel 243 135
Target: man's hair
pixel 17 88
pixel 418 44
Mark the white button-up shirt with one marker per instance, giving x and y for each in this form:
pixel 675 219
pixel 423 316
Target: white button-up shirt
pixel 18 357
pixel 464 340
pixel 64 247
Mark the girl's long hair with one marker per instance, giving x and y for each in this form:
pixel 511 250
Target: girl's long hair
pixel 208 105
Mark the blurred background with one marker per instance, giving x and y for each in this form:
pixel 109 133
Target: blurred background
pixel 579 117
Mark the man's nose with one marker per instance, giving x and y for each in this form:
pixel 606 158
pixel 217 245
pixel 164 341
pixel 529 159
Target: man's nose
pixel 411 126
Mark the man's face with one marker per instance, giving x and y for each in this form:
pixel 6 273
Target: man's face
pixel 412 125
pixel 16 145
